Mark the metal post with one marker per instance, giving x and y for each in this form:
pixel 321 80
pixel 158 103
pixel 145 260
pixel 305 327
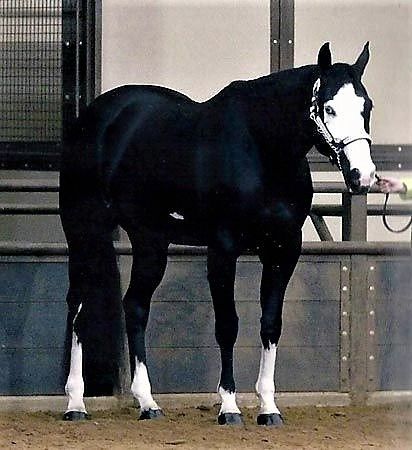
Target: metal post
pixel 358 368
pixel 69 65
pixel 274 35
pixel 370 332
pixel 355 217
pixel 90 23
pixel 345 320
pixel 282 22
pixel 287 34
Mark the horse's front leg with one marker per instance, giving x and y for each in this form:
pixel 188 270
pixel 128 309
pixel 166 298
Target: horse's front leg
pixel 279 261
pixel 149 264
pixel 221 275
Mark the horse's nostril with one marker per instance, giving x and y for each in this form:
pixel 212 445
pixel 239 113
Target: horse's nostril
pixel 354 176
pixel 363 190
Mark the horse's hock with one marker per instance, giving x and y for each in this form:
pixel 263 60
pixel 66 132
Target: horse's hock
pixel 346 316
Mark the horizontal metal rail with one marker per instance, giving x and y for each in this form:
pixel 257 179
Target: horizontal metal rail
pixel 29 186
pixel 53 186
pixel 373 210
pixel 28 209
pixel 11 248
pixel 319 210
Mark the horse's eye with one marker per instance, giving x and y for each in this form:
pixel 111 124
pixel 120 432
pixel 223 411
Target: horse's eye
pixel 330 111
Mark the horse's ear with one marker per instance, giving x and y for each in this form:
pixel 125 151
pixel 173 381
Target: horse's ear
pixel 362 60
pixel 324 57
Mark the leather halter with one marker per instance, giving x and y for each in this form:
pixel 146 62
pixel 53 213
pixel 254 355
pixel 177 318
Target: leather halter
pixel 335 145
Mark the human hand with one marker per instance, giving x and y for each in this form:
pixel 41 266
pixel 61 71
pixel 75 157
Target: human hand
pixel 390 185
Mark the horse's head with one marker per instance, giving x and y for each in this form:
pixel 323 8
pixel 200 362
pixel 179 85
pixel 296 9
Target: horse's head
pixel 341 109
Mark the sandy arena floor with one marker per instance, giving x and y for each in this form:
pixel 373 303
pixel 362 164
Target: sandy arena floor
pixel 195 428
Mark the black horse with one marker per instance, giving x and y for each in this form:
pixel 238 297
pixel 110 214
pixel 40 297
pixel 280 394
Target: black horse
pixel 230 173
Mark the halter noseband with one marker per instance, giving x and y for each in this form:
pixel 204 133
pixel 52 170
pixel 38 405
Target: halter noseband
pixel 323 130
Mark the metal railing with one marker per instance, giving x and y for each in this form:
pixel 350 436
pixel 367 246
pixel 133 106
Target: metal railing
pixel 354 211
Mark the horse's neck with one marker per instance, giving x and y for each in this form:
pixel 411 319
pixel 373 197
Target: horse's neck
pixel 284 101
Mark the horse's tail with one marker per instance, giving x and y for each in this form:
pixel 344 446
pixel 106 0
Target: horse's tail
pixel 94 281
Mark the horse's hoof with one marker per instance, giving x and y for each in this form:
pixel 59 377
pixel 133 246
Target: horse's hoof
pixel 74 416
pixel 270 420
pixel 151 414
pixel 230 419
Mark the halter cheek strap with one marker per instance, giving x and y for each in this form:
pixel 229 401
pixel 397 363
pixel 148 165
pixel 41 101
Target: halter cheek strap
pixel 335 145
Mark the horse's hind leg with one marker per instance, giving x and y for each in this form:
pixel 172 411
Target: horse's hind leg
pixel 221 276
pixel 94 306
pixel 279 261
pixel 149 264
pixel 74 388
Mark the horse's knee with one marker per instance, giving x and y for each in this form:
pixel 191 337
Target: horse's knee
pixel 270 331
pixel 226 330
pixel 136 313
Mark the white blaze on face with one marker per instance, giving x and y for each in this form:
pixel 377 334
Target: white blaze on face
pixel 343 117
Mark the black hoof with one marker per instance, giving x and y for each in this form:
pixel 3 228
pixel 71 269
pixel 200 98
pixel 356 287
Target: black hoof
pixel 230 419
pixel 270 420
pixel 74 416
pixel 151 414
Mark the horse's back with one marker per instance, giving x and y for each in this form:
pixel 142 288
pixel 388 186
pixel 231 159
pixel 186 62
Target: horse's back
pixel 129 118
pixel 123 109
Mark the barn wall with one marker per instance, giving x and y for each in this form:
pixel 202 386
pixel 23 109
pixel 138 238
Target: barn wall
pixel 182 353
pixel 196 47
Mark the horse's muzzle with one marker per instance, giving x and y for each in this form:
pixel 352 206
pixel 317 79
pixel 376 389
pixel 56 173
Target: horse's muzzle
pixel 355 182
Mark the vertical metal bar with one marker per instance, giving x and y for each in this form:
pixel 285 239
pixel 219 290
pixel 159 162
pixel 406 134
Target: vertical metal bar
pixel 355 217
pixel 96 50
pixel 69 64
pixel 274 35
pixel 89 38
pixel 286 32
pixel 358 325
pixel 344 324
pixel 370 331
pixel 92 46
pixel 82 26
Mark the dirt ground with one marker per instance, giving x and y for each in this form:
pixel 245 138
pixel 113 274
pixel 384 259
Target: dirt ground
pixel 386 427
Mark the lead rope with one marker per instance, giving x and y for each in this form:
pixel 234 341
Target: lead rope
pixel 384 219
pixel 385 222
